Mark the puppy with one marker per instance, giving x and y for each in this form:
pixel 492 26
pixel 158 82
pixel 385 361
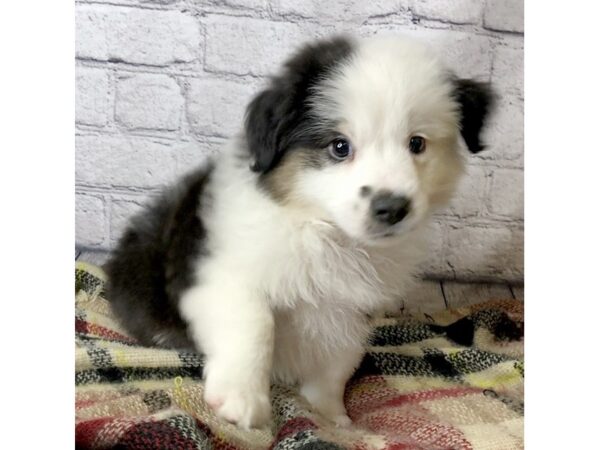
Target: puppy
pixel 269 259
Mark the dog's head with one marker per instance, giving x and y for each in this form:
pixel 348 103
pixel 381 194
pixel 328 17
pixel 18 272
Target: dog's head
pixel 364 134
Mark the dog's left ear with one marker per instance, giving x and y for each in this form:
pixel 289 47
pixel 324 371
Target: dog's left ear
pixel 475 101
pixel 266 116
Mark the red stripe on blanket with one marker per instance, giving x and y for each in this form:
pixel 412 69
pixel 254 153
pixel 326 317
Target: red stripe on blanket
pixel 400 446
pixel 93 329
pixel 415 430
pixel 81 326
pixel 433 394
pixel 219 443
pixel 369 395
pixel 154 435
pixel 87 432
pixel 293 426
pixel 388 446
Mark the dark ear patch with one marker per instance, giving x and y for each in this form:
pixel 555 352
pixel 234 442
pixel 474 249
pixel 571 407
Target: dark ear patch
pixel 263 117
pixel 475 100
pixel 278 117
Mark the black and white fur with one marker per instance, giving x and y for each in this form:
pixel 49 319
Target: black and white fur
pixel 268 260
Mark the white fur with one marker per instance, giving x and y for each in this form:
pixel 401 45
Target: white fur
pixel 285 288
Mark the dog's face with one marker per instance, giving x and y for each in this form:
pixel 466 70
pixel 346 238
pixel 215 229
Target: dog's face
pixel 365 134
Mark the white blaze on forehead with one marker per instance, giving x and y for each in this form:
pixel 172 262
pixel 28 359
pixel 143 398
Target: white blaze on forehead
pixel 389 89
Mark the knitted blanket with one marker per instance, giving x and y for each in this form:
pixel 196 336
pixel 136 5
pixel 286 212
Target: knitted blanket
pixel 453 380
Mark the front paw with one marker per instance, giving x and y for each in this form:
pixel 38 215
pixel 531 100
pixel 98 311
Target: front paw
pixel 244 403
pixel 328 402
pixel 341 420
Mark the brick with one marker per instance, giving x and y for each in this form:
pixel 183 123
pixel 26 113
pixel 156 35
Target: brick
pixel 507 74
pixel 435 261
pixel 453 11
pixel 90 219
pixel 91 96
pixel 148 101
pixel 216 107
pixel 137 36
pixel 471 192
pixel 243 46
pixel 503 134
pixel 125 162
pixel 90 33
pixel 121 212
pixel 490 252
pixel 504 15
pixel 506 194
pixel 153 37
pixel 342 11
pixel 305 9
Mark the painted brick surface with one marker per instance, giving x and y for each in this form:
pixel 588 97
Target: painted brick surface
pixel 472 192
pixel 506 193
pixel 136 36
pixel 454 11
pixel 242 46
pixel 504 135
pixel 92 98
pixel 214 105
pixel 90 219
pixel 162 84
pixel 116 162
pixel 505 15
pixel 148 101
pixel 490 252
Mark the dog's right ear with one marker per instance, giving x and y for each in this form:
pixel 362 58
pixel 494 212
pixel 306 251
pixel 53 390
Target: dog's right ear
pixel 265 117
pixel 475 101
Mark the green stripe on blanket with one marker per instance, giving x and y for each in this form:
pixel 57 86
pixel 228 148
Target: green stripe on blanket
pixel 452 383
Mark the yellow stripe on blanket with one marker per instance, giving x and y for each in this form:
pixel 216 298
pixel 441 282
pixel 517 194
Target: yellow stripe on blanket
pixel 410 384
pixel 504 374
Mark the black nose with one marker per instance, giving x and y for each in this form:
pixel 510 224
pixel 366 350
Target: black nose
pixel 389 208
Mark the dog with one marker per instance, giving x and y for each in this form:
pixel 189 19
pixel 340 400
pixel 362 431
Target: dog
pixel 270 259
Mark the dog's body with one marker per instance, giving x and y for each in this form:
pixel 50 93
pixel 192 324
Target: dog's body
pixel 269 259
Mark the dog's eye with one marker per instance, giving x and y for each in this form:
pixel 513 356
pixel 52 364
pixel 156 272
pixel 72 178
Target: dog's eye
pixel 416 144
pixel 340 149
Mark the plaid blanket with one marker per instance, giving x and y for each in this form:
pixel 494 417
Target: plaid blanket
pixel 453 380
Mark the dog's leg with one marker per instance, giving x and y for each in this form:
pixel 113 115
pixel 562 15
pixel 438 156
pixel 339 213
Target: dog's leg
pixel 324 388
pixel 233 327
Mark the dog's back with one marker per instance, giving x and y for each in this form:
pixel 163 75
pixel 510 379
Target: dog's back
pixel 151 264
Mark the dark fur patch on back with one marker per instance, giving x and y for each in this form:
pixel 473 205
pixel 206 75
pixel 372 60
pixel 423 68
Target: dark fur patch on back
pixel 279 118
pixel 153 263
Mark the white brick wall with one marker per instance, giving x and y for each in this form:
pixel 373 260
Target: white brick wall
pixel 162 83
